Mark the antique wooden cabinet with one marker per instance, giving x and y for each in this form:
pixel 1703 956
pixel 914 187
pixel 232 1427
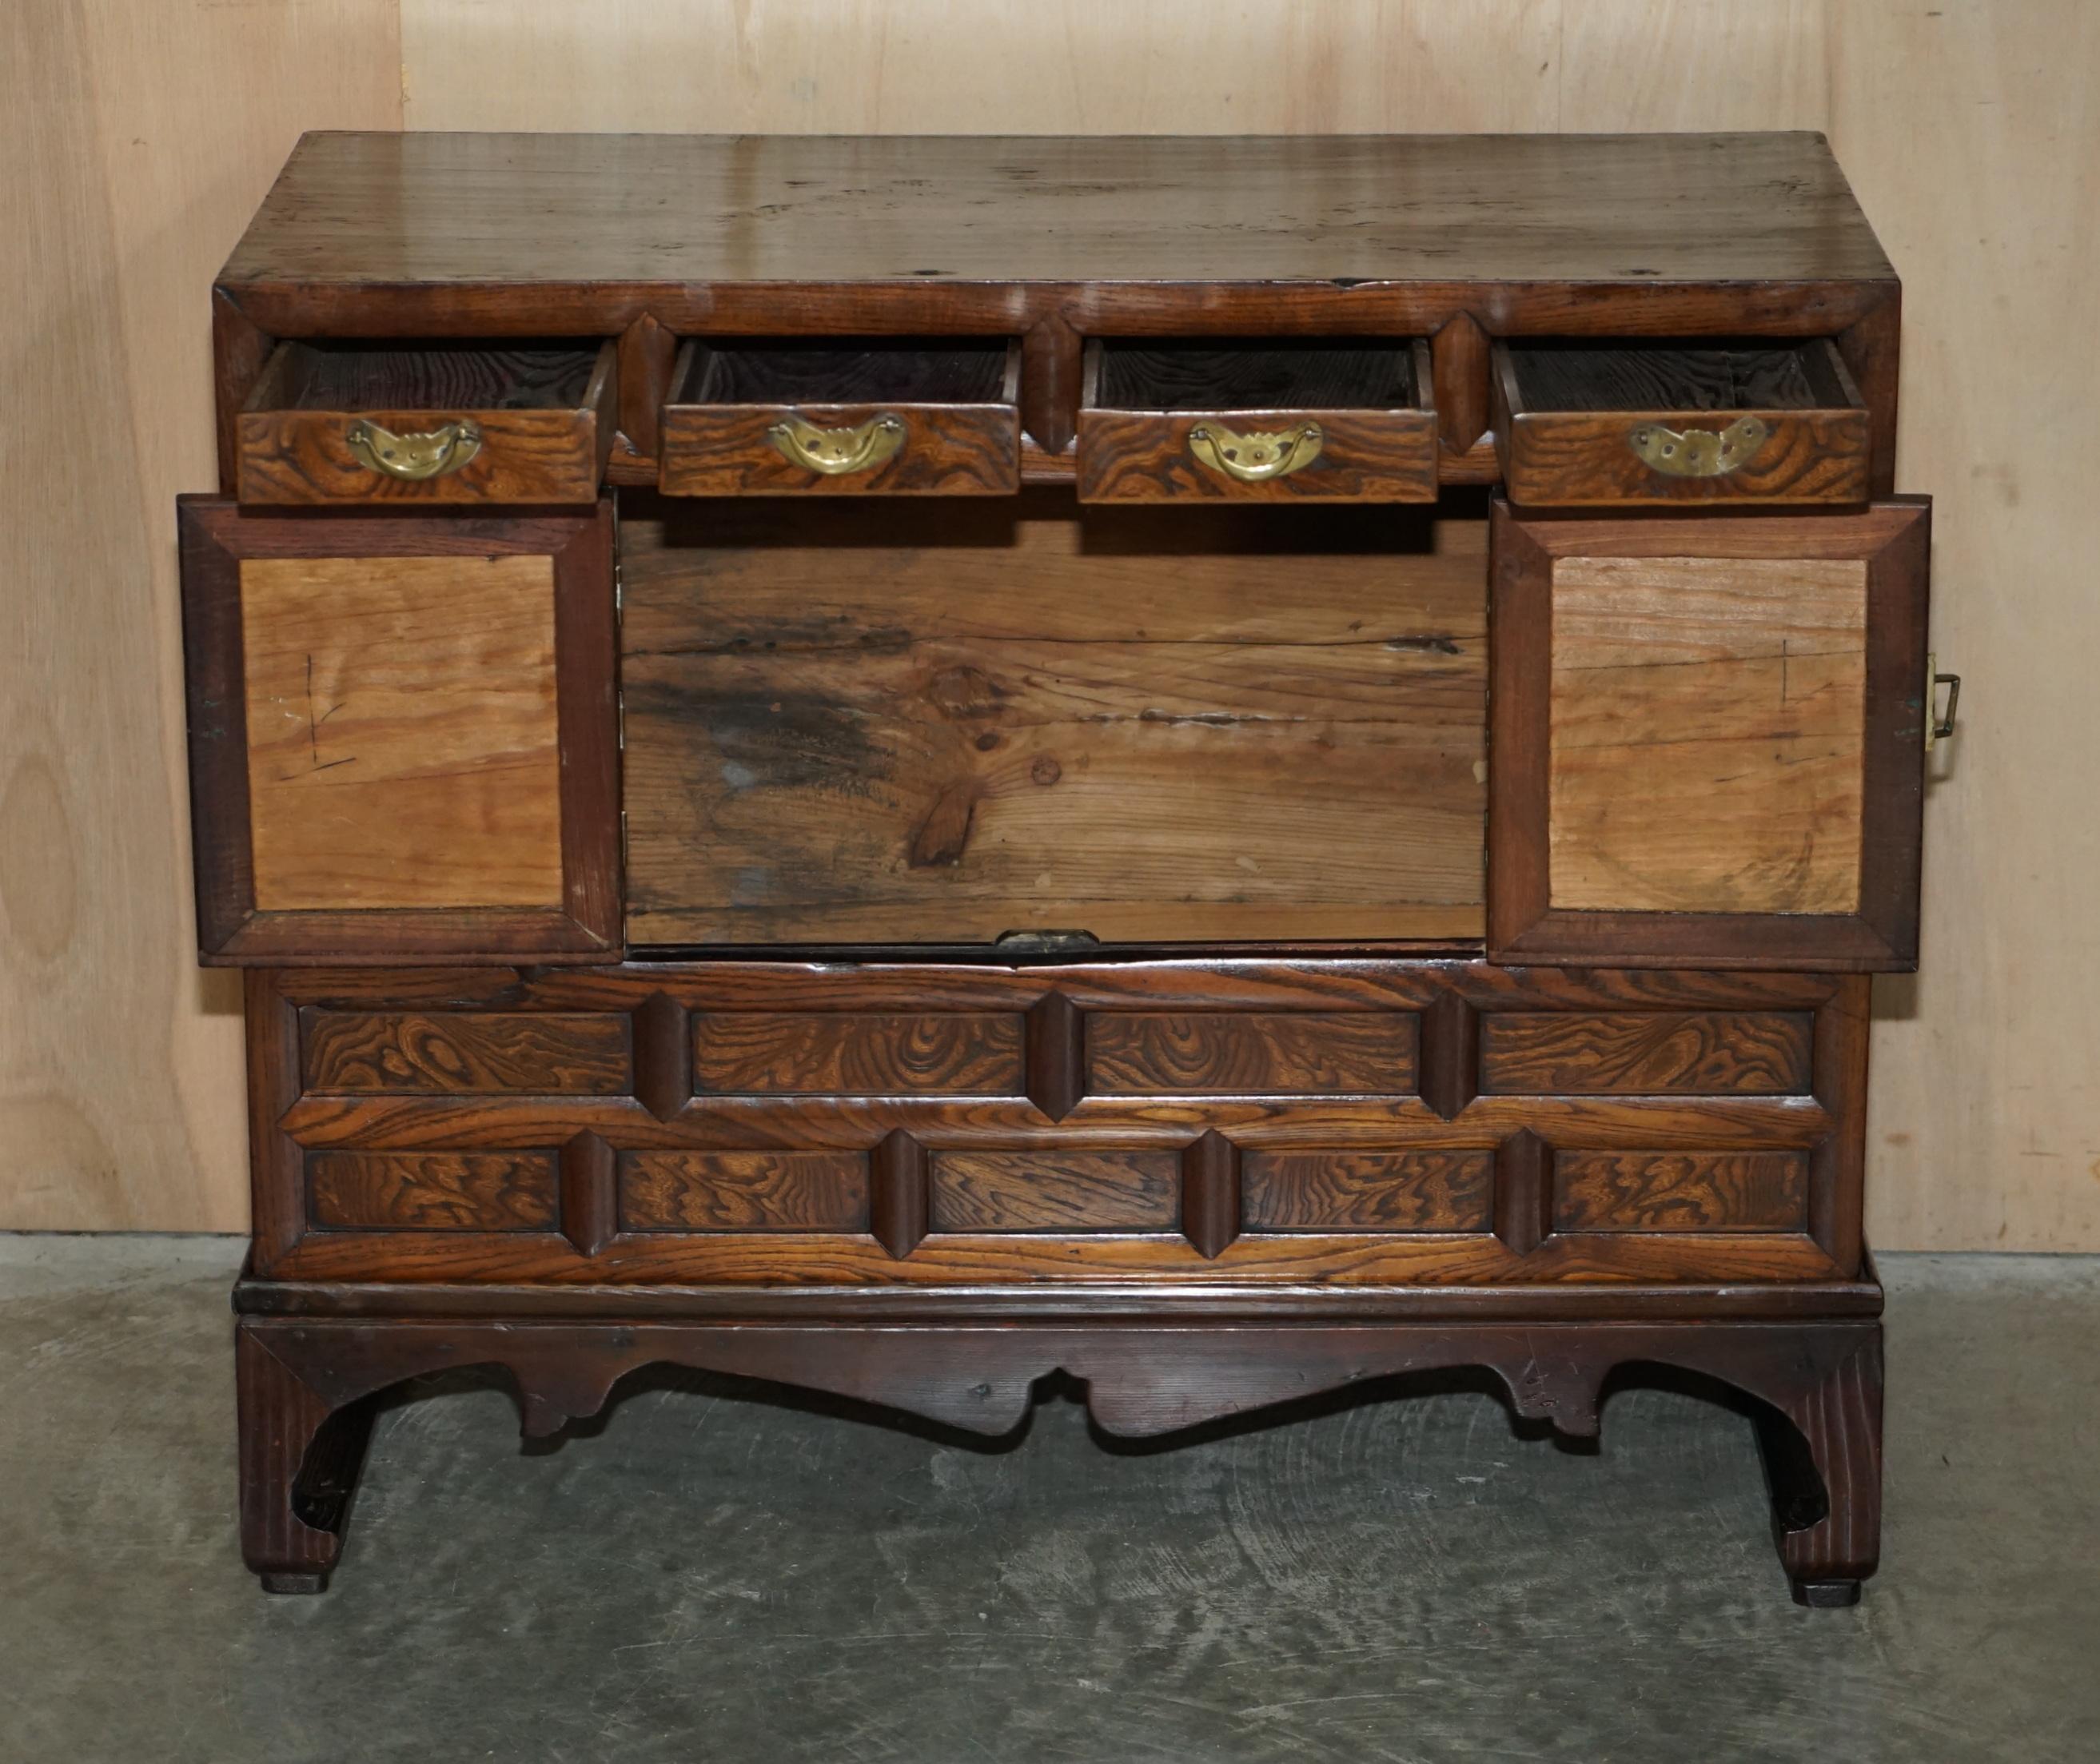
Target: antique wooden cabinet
pixel 1229 765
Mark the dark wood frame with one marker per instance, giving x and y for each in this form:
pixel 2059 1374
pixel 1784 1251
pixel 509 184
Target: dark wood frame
pixel 1893 538
pixel 306 1384
pixel 216 535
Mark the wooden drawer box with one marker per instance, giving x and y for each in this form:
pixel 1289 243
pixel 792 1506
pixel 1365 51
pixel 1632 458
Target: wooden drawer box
pixel 1627 425
pixel 1148 1124
pixel 352 422
pixel 1263 421
pixel 890 417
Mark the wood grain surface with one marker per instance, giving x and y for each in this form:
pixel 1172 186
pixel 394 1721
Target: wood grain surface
pixel 1679 1191
pixel 403 741
pixel 415 1052
pixel 1313 1053
pixel 1156 724
pixel 1056 1191
pixel 1708 733
pixel 743 1191
pixel 784 1053
pixel 1450 1191
pixel 432 1191
pixel 1673 1052
pixel 806 211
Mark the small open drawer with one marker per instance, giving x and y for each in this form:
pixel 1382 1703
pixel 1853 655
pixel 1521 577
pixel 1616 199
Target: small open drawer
pixel 1612 424
pixel 882 416
pixel 365 422
pixel 1271 419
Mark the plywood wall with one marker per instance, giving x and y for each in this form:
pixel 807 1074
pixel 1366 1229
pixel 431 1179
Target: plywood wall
pixel 1970 127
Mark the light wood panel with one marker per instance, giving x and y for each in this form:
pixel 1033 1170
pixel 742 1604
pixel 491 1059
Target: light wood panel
pixel 1154 726
pixel 141 133
pixel 138 136
pixel 402 745
pixel 1707 734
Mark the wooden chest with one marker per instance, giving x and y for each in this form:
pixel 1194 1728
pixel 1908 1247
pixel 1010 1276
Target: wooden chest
pixel 1228 765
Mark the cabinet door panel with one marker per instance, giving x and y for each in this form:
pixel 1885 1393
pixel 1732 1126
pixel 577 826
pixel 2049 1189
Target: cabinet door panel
pixel 403 740
pixel 1708 739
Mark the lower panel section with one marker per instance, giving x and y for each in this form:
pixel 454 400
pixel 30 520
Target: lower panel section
pixel 1327 1123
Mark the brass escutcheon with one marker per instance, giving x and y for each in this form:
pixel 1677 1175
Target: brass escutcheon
pixel 1255 457
pixel 835 452
pixel 432 454
pixel 1699 452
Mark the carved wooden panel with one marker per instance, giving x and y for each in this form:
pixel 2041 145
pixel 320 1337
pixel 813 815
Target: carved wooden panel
pixel 410 1052
pixel 743 1191
pixel 1113 722
pixel 1141 1053
pixel 1233 1121
pixel 432 1191
pixel 775 1053
pixel 1055 1190
pixel 1599 1053
pixel 1680 1191
pixel 403 749
pixel 1368 1191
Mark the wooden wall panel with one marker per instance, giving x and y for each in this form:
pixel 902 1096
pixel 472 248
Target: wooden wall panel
pixel 138 136
pixel 141 132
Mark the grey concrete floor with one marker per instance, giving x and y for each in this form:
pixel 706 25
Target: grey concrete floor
pixel 708 1575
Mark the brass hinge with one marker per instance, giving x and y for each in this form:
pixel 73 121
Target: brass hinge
pixel 1938 728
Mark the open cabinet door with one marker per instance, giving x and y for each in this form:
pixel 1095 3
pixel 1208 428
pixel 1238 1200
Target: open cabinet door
pixel 1707 739
pixel 404 735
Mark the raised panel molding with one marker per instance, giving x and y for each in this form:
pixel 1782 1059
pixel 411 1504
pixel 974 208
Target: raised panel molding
pixel 937 1124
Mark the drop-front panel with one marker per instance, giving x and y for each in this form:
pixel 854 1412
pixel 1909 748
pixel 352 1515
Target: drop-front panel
pixel 1232 765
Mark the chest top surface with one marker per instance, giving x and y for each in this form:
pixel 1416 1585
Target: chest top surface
pixel 368 210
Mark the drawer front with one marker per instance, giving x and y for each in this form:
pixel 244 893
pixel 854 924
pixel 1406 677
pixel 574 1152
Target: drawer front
pixel 1226 449
pixel 1357 1124
pixel 1635 427
pixel 343 430
pixel 841 422
pixel 404 742
pixel 1708 740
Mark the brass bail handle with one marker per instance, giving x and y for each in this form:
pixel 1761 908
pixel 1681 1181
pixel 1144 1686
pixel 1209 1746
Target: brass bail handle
pixel 413 457
pixel 835 452
pixel 1256 456
pixel 1938 728
pixel 1698 453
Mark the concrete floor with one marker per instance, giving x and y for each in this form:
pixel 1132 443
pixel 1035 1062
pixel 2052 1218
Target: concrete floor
pixel 706 1576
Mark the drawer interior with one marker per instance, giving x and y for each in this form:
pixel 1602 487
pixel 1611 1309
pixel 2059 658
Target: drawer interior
pixel 873 726
pixel 437 376
pixel 1229 374
pixel 1574 375
pixel 776 371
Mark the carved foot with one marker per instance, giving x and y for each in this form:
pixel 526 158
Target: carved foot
pixel 1826 1479
pixel 299 1460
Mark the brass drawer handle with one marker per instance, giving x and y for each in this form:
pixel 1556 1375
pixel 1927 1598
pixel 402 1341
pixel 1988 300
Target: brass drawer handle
pixel 1938 728
pixel 432 454
pixel 835 452
pixel 1258 455
pixel 1699 452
